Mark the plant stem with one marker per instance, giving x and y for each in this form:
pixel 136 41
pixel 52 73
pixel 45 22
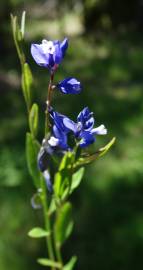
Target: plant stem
pixel 47 122
pixel 50 88
pixel 47 223
pixel 59 255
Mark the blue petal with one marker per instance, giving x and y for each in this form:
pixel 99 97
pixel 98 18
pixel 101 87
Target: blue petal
pixel 86 138
pixel 59 121
pixel 83 114
pixel 62 138
pixel 86 118
pixel 50 60
pixel 37 53
pixel 69 86
pixel 58 56
pixel 70 125
pixel 64 46
pixel 89 124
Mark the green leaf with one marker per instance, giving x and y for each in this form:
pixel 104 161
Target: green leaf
pixel 14 25
pixel 83 160
pixel 27 83
pixel 22 28
pixel 34 119
pixel 63 224
pixel 70 264
pixel 104 150
pixel 63 176
pixel 32 150
pixel 47 262
pixel 76 179
pixel 38 233
pixel 69 229
pixel 52 207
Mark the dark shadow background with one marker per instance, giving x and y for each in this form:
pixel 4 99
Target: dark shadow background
pixel 106 55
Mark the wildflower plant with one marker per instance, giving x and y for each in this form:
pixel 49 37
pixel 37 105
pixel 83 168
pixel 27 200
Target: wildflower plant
pixel 56 165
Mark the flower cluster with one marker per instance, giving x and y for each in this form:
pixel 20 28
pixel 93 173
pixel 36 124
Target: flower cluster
pixel 49 54
pixel 83 130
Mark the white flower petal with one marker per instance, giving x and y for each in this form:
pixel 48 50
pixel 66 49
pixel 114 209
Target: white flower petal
pixel 48 46
pixel 53 141
pixel 101 130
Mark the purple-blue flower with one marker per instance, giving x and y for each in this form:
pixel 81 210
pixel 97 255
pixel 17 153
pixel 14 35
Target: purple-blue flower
pixel 49 54
pixel 83 129
pixel 59 131
pixel 69 86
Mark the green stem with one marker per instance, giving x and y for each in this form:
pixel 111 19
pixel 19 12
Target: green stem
pixel 47 122
pixel 59 255
pixel 57 246
pixel 47 223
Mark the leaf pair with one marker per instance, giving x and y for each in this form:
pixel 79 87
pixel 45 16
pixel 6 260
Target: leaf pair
pixel 68 266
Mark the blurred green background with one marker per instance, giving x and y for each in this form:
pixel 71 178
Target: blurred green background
pixel 106 55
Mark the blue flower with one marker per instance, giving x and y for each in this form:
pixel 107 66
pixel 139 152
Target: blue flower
pixel 69 86
pixel 84 130
pixel 49 54
pixel 59 131
pixel 85 119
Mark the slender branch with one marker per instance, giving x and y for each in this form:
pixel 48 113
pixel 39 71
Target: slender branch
pixel 50 88
pixel 47 122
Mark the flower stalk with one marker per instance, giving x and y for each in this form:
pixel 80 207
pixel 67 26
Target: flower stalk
pixel 48 103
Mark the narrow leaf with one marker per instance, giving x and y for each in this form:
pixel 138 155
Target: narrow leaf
pixel 32 149
pixel 47 262
pixel 27 83
pixel 70 264
pixel 104 150
pixel 52 207
pixel 76 179
pixel 83 160
pixel 66 161
pixel 34 119
pixel 63 224
pixel 69 229
pixel 17 36
pixel 22 28
pixel 38 233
